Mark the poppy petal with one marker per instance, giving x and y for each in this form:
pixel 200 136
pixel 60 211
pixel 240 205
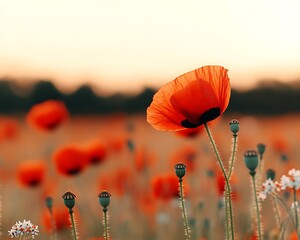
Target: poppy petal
pixel 190 100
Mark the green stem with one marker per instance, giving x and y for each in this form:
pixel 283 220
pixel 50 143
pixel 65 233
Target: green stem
pixel 226 213
pixel 232 155
pixel 296 214
pixel 105 224
pixel 73 224
pixel 184 214
pixel 231 164
pixel 53 226
pixel 283 204
pixel 278 218
pixel 257 208
pixel 226 180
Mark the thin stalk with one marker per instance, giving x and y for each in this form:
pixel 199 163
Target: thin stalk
pixel 184 214
pixel 105 224
pixel 226 213
pixel 231 164
pixel 285 207
pixel 232 158
pixel 53 225
pixel 226 179
pixel 277 213
pixel 257 209
pixel 296 214
pixel 73 224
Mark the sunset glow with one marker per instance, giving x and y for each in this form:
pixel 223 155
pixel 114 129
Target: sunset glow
pixel 126 45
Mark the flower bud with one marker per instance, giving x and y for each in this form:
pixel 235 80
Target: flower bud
pixel 130 145
pixel 270 174
pixel 180 170
pixel 261 148
pixel 104 199
pixel 69 199
pixel 234 126
pixel 49 202
pixel 251 161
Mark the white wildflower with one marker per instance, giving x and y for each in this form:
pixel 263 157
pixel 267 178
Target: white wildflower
pixel 25 229
pixel 268 187
pixel 291 181
pixel 295 204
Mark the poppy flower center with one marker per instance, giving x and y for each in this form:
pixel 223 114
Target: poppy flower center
pixel 207 116
pixel 74 171
pixel 34 182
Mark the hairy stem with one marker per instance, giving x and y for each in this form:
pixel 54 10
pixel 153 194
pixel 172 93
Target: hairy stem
pixel 226 181
pixel 257 209
pixel 73 224
pixel 232 158
pixel 296 214
pixel 53 225
pixel 105 224
pixel 184 214
pixel 277 213
pixel 283 204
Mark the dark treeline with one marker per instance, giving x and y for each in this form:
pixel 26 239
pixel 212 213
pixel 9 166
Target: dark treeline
pixel 267 98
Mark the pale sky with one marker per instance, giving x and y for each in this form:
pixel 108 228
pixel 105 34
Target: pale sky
pixel 128 44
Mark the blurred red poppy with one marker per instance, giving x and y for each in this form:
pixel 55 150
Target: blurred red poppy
pixel 190 100
pixel 61 219
pixel 96 152
pixel 185 155
pixel 143 159
pixel 117 182
pixel 70 160
pixel 146 203
pixel 293 236
pixel 47 115
pixel 116 143
pixel 280 144
pixel 9 128
pixel 165 187
pixel 31 173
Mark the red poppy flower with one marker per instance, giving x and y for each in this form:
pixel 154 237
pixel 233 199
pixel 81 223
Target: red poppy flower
pixel 31 173
pixel 293 236
pixel 61 219
pixel 165 187
pixel 191 100
pixel 146 203
pixel 70 160
pixel 189 132
pixel 9 128
pixel 117 143
pixel 47 115
pixel 96 152
pixel 186 155
pixel 143 159
pixel 280 144
pixel 117 182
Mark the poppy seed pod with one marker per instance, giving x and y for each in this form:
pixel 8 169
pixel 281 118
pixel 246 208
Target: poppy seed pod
pixel 49 202
pixel 270 174
pixel 234 126
pixel 69 199
pixel 130 145
pixel 251 161
pixel 104 199
pixel 261 148
pixel 180 170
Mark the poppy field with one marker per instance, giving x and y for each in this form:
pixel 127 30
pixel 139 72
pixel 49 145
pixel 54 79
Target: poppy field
pixel 177 171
